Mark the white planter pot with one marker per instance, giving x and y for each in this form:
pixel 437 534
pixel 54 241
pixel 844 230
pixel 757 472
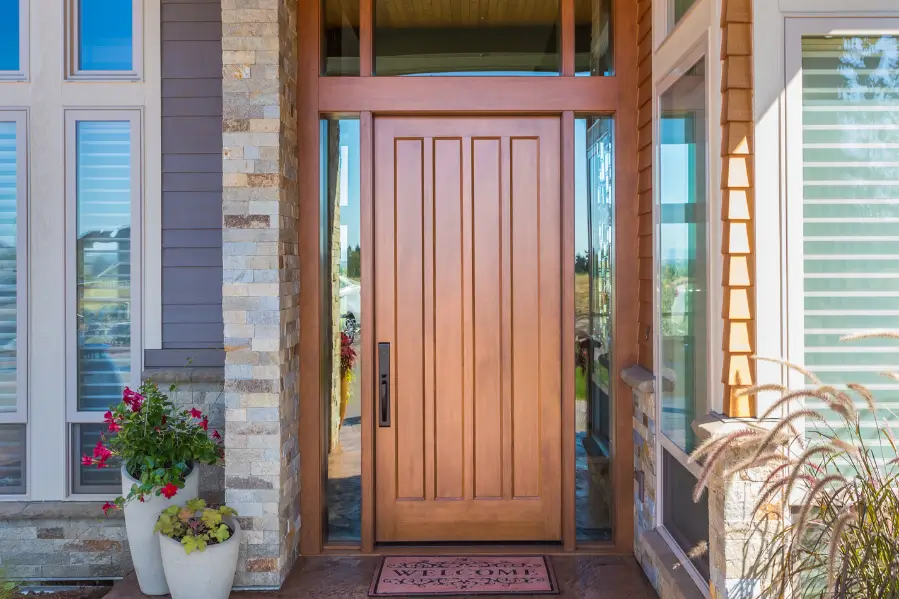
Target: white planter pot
pixel 140 518
pixel 208 574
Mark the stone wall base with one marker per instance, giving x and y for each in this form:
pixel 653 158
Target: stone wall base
pixel 60 540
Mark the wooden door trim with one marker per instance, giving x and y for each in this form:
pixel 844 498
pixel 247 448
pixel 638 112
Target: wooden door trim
pixel 569 528
pixel 318 95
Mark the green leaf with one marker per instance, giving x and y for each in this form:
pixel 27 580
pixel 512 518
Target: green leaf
pixel 223 533
pixel 190 544
pixel 195 505
pixel 227 511
pixel 211 518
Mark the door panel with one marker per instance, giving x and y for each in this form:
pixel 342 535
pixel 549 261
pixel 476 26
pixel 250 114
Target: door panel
pixel 467 293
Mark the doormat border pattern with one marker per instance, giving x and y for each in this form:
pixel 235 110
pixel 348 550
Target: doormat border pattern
pixel 373 590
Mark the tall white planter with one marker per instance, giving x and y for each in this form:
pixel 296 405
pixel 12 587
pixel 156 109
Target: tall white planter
pixel 140 518
pixel 208 574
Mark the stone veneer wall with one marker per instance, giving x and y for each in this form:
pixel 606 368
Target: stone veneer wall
pixel 73 540
pixel 261 283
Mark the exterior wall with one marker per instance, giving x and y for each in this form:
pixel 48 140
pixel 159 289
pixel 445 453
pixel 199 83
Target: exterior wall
pixel 73 540
pixel 261 282
pixel 191 183
pixel 737 184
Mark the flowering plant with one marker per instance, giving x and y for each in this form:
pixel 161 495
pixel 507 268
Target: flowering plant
pixel 157 443
pixel 347 355
pixel 195 526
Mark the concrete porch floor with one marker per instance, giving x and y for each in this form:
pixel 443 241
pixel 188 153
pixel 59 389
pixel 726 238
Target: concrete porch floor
pixel 579 577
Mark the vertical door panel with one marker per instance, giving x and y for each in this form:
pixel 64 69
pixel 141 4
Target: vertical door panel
pixel 467 288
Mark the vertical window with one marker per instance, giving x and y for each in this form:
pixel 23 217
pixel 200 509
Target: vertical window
pixel 13 303
pixel 594 388
pixel 677 9
pixel 520 38
pixel 850 211
pixel 13 39
pixel 340 37
pixel 683 254
pixel 104 250
pixel 105 40
pixel 341 213
pixel 593 42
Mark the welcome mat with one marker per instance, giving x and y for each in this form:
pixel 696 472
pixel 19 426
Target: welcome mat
pixel 453 575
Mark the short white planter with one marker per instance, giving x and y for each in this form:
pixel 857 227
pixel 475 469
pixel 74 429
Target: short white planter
pixel 140 518
pixel 205 574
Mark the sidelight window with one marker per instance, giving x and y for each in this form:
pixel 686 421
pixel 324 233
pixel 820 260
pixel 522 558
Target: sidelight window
pixel 593 288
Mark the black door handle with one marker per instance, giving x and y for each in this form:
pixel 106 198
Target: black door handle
pixel 384 384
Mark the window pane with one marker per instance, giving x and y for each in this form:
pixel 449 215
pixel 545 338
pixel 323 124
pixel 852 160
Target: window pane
pixel 341 210
pixel 90 479
pixel 105 35
pixel 9 176
pixel 103 255
pixel 12 459
pixel 594 53
pixel 685 520
pixel 594 219
pixel 683 254
pixel 678 9
pixel 850 210
pixel 471 37
pixel 9 35
pixel 340 37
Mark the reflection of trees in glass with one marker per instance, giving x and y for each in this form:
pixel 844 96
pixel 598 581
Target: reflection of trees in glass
pixel 354 263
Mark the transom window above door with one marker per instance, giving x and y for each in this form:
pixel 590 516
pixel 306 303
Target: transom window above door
pixel 467 37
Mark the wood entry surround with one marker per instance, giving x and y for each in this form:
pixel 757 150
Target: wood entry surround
pixel 491 99
pixel 468 301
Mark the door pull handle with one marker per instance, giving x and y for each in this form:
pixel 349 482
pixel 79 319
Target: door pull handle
pixel 384 385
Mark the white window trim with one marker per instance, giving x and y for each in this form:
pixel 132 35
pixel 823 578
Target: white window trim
pixel 22 73
pixel 72 37
pixel 20 118
pixel 73 415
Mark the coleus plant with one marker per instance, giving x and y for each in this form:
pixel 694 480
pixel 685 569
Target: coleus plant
pixel 157 443
pixel 194 525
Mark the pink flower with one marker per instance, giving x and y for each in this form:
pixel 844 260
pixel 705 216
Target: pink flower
pixel 216 435
pixel 195 413
pixel 108 506
pixel 169 490
pixel 101 452
pixel 107 417
pixel 132 399
pixel 205 423
pixel 114 427
pixel 86 460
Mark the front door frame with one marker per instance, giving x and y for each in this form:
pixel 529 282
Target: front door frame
pixel 366 95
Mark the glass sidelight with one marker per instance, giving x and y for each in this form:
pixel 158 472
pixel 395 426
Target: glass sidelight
pixel 593 288
pixel 341 215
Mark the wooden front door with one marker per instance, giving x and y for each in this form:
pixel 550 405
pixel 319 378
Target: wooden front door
pixel 468 329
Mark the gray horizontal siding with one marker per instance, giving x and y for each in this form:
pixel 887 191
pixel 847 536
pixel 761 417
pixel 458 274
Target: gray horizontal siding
pixel 192 328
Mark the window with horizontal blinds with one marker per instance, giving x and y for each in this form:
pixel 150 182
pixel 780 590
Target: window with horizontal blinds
pixel 9 178
pixel 12 459
pixel 850 209
pixel 103 261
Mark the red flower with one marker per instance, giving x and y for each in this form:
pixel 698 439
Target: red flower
pixel 196 413
pixel 142 499
pixel 163 418
pixel 108 506
pixel 205 423
pixel 132 399
pixel 169 490
pixel 107 417
pixel 216 435
pixel 86 460
pixel 114 427
pixel 101 452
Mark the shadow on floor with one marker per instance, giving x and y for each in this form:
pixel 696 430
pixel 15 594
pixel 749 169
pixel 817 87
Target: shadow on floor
pixel 579 577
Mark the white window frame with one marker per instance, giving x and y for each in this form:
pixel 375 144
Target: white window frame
pixel 22 73
pixel 72 47
pixel 795 30
pixel 20 118
pixel 73 414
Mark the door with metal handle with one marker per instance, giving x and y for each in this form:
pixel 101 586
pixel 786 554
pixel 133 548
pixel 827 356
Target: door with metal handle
pixel 384 384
